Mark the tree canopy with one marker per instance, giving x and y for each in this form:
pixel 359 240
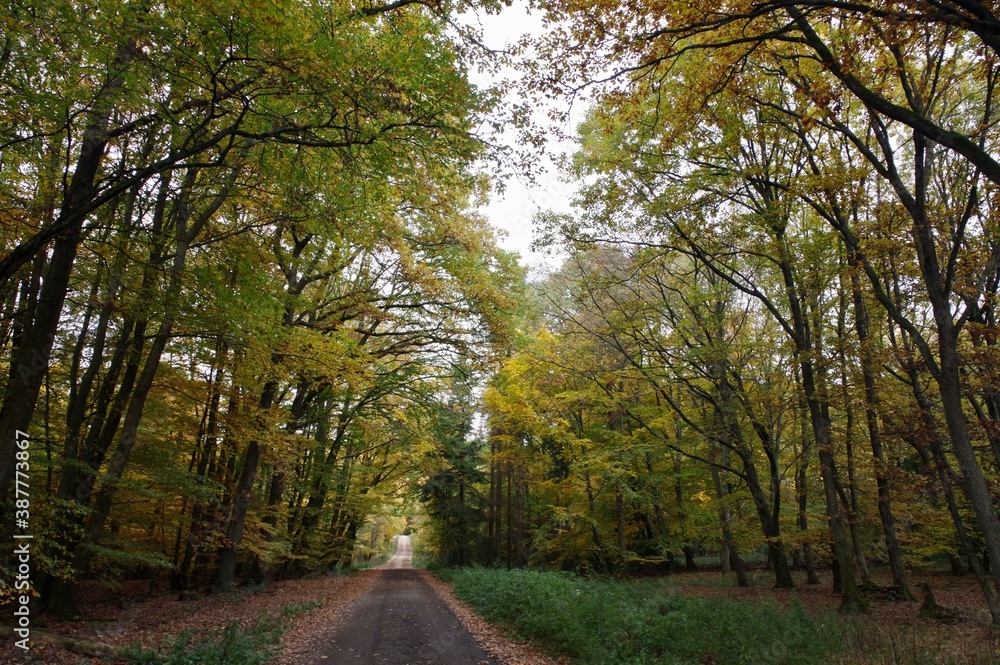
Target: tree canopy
pixel 246 300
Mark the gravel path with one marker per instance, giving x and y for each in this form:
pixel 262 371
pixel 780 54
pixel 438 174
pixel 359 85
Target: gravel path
pixel 401 620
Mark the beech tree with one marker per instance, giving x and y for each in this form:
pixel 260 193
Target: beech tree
pixel 167 95
pixel 907 87
pixel 265 222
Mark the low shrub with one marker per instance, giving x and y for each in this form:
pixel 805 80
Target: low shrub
pixel 623 623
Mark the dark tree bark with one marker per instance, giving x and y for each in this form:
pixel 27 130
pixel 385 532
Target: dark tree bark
pixel 893 549
pixel 29 363
pixel 851 600
pixel 226 572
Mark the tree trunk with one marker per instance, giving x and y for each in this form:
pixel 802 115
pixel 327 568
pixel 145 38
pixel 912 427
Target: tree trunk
pixel 731 557
pixel 31 360
pixel 938 463
pixel 276 491
pixel 851 500
pixel 948 374
pixel 522 526
pixel 893 549
pixel 226 572
pixel 621 531
pixel 802 480
pixel 181 578
pixel 689 562
pixel 974 482
pixel 851 600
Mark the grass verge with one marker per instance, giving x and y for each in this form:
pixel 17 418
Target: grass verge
pixel 236 644
pixel 625 623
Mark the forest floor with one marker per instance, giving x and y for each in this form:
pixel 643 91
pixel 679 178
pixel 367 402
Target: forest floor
pixel 136 613
pixel 893 632
pixel 392 615
pixel 139 614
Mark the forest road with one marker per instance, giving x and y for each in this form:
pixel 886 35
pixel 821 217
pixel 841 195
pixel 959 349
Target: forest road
pixel 401 621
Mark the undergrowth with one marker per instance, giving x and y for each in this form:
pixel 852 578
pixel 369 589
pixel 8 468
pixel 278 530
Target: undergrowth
pixel 236 644
pixel 622 623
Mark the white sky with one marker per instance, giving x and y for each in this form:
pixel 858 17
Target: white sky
pixel 512 210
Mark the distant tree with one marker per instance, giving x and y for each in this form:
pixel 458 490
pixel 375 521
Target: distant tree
pixel 451 490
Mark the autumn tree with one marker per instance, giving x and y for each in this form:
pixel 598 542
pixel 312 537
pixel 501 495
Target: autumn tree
pixel 909 88
pixel 265 223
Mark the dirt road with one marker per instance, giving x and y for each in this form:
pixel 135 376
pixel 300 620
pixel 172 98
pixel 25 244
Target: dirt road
pixel 403 557
pixel 400 621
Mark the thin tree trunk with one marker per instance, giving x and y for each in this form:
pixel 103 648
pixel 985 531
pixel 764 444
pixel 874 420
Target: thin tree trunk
pixel 862 327
pixel 522 502
pixel 802 478
pixel 621 531
pixel 851 500
pixel 689 562
pixel 276 491
pixel 181 577
pixel 851 600
pixel 731 557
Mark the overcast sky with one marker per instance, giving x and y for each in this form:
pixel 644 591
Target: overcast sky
pixel 513 209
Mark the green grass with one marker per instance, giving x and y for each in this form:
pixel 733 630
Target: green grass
pixel 622 623
pixel 236 644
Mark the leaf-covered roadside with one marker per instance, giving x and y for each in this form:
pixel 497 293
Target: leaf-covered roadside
pixel 239 643
pixel 135 621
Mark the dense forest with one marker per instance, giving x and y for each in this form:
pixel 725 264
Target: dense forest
pixel 241 271
pixel 248 307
